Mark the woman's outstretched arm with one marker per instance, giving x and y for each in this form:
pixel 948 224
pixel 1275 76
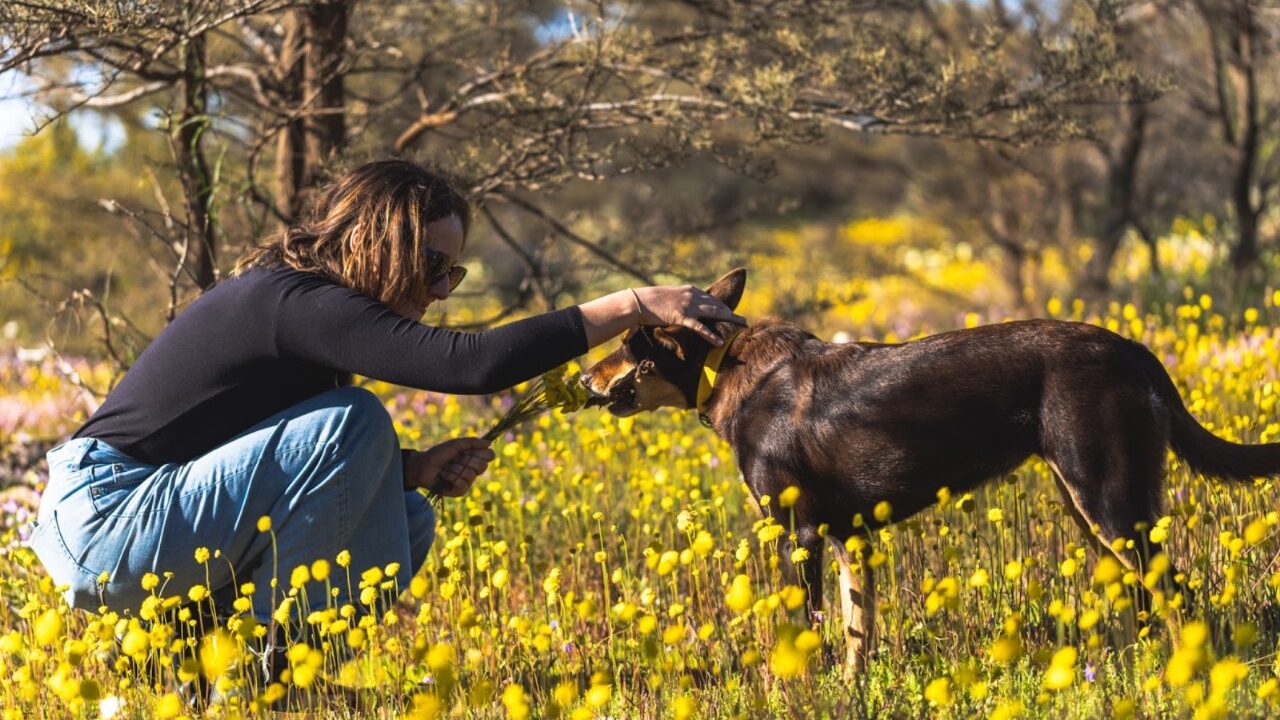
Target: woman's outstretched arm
pixel 326 324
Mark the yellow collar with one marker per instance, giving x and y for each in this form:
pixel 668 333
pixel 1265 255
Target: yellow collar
pixel 707 383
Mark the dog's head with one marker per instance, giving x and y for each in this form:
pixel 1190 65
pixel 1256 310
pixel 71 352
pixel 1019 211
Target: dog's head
pixel 659 366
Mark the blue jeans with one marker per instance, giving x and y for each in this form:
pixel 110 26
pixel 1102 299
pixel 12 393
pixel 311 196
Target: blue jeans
pixel 326 471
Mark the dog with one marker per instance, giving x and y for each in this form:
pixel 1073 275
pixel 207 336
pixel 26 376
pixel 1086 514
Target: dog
pixel 857 424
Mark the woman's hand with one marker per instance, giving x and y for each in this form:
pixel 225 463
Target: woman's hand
pixel 684 305
pixel 449 468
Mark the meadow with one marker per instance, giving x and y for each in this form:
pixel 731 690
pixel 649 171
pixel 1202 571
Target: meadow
pixel 617 568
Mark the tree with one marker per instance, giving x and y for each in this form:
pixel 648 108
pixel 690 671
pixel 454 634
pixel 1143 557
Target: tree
pixel 309 75
pixel 1242 50
pixel 524 99
pixel 1121 155
pixel 137 50
pixel 53 257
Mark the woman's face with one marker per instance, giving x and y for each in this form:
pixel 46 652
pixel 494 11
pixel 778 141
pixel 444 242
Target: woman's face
pixel 445 236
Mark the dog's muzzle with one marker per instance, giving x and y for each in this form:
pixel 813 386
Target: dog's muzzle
pixel 621 393
pixel 594 398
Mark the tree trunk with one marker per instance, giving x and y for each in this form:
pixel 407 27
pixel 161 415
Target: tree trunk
pixel 311 82
pixel 326 42
pixel 200 255
pixel 1233 43
pixel 290 149
pixel 1245 252
pixel 1120 214
pixel 1015 254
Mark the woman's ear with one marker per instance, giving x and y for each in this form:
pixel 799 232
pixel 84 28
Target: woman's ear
pixel 729 287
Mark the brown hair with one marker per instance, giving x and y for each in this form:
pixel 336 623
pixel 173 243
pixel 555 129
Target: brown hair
pixel 367 230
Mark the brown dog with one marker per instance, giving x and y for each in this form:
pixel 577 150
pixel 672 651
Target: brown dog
pixel 856 424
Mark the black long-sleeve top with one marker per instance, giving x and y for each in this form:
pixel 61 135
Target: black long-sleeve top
pixel 267 339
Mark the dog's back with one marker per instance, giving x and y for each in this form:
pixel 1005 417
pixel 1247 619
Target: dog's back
pixel 858 424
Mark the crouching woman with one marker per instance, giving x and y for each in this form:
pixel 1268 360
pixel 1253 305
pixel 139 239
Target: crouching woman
pixel 242 408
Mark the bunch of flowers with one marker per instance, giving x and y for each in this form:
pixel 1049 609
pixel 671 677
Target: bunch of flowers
pixel 555 389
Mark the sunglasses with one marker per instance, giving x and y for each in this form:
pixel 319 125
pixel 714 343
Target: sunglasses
pixel 438 267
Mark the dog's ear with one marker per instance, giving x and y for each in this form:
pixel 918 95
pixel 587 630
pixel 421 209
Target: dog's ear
pixel 669 341
pixel 729 287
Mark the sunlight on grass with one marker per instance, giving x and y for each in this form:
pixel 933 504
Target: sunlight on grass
pixel 616 568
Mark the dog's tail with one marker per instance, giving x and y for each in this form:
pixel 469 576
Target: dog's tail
pixel 1203 451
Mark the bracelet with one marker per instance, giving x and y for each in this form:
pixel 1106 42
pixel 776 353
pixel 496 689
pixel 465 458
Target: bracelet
pixel 639 308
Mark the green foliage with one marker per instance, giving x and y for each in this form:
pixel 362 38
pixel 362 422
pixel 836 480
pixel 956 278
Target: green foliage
pixel 56 238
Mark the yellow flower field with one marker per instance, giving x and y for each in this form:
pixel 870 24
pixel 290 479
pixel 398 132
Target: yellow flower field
pixel 616 568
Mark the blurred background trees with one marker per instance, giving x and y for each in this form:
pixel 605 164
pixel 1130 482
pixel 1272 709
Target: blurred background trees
pixel 1067 148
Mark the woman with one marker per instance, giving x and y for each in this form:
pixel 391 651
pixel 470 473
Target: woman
pixel 242 407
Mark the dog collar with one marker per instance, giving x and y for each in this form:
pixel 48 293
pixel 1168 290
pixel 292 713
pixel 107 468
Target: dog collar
pixel 707 382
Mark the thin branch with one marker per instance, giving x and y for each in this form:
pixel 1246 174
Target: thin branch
pixel 521 300
pixel 532 268
pixel 575 238
pixel 102 102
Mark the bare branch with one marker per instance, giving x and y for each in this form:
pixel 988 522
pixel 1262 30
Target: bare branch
pixel 532 268
pixel 575 238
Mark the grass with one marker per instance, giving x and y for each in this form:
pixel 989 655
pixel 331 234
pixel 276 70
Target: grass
pixel 617 568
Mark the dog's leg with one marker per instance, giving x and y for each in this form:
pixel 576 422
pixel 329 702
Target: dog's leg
pixel 1104 537
pixel 1108 455
pixel 857 605
pixel 805 568
pixel 810 570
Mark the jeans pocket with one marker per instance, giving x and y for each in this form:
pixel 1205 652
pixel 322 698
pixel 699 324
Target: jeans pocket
pixel 68 457
pixel 111 484
pixel 67 473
